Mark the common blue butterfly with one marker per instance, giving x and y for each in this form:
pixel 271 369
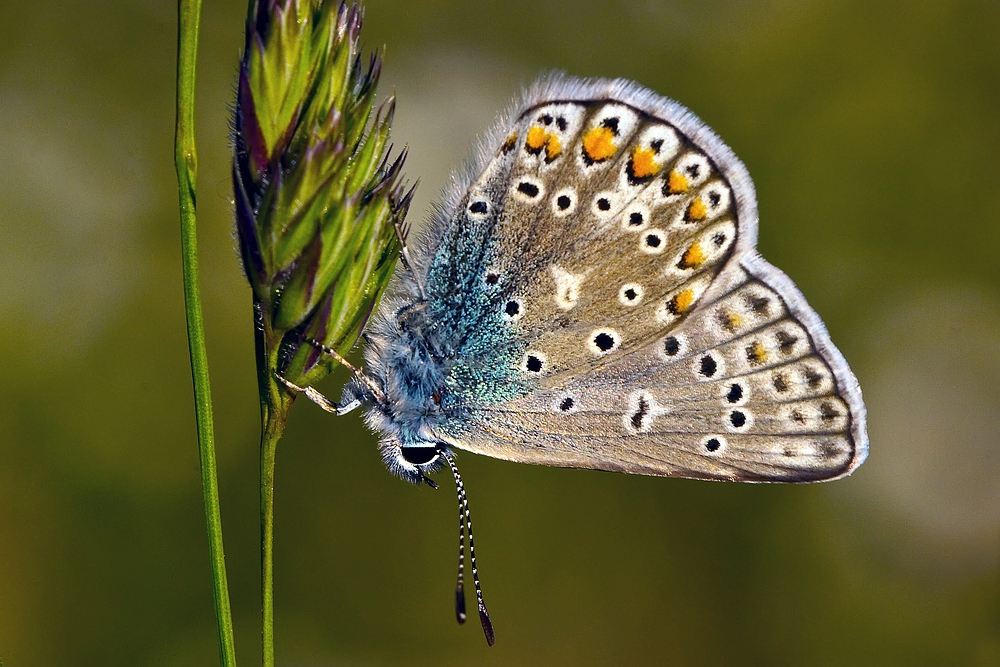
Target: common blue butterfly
pixel 589 295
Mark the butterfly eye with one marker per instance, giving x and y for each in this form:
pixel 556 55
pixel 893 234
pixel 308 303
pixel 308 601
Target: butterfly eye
pixel 418 455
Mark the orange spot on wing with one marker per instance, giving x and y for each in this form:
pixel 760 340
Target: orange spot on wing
pixel 756 354
pixel 692 257
pixel 681 301
pixel 728 320
pixel 509 143
pixel 537 137
pixel 553 147
pixel 677 183
pixel 643 164
pixel 598 144
pixel 696 210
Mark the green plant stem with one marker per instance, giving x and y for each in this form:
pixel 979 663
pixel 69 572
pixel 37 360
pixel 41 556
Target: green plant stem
pixel 275 404
pixel 270 435
pixel 186 162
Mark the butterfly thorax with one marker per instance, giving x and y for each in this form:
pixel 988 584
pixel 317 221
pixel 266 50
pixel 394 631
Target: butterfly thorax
pixel 435 369
pixel 412 374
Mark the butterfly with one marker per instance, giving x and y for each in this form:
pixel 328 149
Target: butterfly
pixel 589 295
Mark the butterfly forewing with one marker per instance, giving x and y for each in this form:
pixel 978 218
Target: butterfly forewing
pixel 611 229
pixel 609 242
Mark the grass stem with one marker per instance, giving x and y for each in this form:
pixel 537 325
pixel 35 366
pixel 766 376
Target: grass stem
pixel 186 162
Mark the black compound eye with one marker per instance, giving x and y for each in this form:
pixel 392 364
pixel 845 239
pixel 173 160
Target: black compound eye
pixel 418 455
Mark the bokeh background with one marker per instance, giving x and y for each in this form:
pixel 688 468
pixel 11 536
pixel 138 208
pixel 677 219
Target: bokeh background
pixel 872 132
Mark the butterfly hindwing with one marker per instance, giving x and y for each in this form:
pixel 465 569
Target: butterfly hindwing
pixel 601 268
pixel 736 392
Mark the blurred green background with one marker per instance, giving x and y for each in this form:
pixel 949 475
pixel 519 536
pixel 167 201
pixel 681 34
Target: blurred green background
pixel 872 132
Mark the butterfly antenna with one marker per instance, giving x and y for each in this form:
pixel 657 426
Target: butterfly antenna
pixel 460 586
pixel 465 522
pixel 358 373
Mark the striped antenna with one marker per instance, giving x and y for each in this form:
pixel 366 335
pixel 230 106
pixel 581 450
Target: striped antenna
pixel 465 523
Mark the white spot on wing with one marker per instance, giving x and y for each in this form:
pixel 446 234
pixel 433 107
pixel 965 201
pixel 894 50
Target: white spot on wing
pixel 714 445
pixel 513 310
pixel 630 294
pixel 528 189
pixel 606 204
pixel 566 404
pixel 603 341
pixel 636 217
pixel 695 168
pixel 642 411
pixel 564 202
pixel 669 143
pixel 534 362
pixel 653 241
pixel 567 286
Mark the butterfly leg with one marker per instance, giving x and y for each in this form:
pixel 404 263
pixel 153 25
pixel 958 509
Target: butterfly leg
pixel 404 254
pixel 369 384
pixel 319 399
